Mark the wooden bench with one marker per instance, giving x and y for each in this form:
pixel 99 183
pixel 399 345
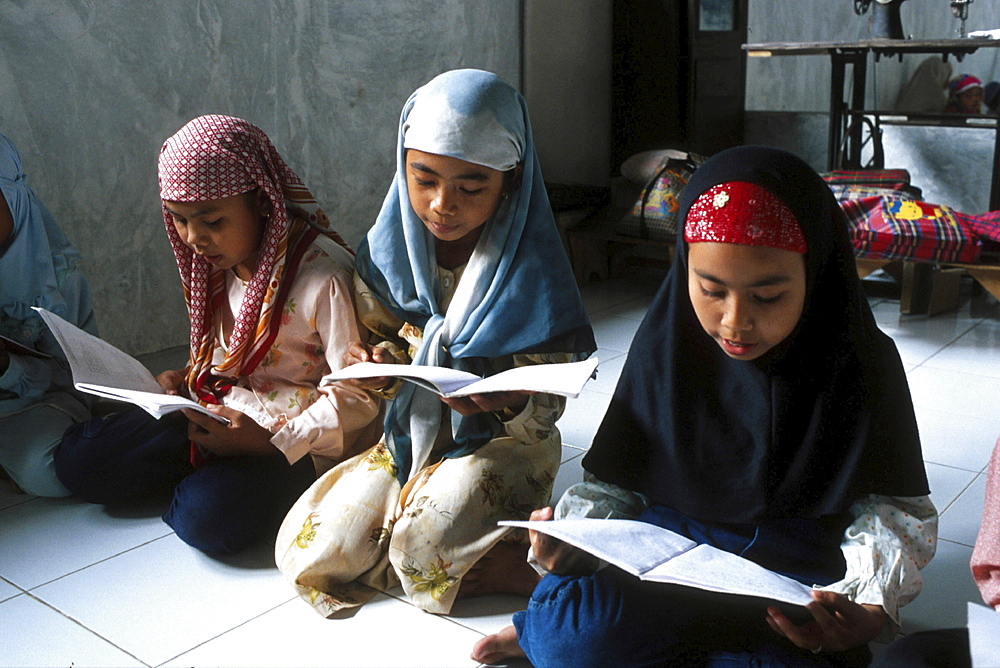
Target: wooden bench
pixel 944 280
pixel 596 251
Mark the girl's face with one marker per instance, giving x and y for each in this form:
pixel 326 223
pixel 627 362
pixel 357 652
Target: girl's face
pixel 452 197
pixel 971 101
pixel 747 298
pixel 226 232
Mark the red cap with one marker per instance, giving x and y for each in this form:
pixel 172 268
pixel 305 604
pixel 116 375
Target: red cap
pixel 743 213
pixel 964 82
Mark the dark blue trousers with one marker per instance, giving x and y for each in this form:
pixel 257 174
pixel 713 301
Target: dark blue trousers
pixel 942 648
pixel 221 507
pixel 611 618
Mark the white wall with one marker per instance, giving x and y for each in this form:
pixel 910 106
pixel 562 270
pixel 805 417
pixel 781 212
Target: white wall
pixel 89 90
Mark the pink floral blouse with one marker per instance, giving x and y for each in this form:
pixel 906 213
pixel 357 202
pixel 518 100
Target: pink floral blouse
pixel 287 393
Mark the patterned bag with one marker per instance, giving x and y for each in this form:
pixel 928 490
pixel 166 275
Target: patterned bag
pixel 654 215
pixel 897 229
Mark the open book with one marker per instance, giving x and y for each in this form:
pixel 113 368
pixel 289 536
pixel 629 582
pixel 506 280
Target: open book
pixel 566 379
pixel 100 368
pixel 659 555
pixel 12 346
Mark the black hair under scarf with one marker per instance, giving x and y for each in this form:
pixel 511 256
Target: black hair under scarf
pixel 820 420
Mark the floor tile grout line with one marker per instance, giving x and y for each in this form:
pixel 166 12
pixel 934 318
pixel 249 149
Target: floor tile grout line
pixel 953 467
pixel 95 563
pixel 227 631
pixel 942 511
pixel 85 627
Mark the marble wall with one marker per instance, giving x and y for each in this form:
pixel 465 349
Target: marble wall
pixel 89 89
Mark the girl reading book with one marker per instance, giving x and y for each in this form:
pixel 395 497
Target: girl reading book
pixel 38 267
pixel 463 268
pixel 760 411
pixel 268 290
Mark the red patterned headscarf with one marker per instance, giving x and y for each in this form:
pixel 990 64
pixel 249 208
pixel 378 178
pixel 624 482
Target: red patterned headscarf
pixel 739 212
pixel 214 157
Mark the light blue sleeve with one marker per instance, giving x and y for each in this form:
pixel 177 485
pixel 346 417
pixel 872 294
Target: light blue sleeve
pixel 28 378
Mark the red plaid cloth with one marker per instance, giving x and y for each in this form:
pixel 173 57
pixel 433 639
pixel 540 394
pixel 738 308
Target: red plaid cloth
pixel 984 225
pixel 897 229
pixel 871 183
pixel 885 178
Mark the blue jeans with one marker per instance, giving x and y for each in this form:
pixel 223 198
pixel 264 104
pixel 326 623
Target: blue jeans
pixel 611 618
pixel 221 507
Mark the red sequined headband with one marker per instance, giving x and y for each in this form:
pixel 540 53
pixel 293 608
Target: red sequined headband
pixel 743 213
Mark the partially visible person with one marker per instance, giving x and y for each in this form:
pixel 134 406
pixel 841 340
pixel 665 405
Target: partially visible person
pixel 268 290
pixel 927 89
pixel 967 95
pixel 38 267
pixel 991 96
pixel 949 648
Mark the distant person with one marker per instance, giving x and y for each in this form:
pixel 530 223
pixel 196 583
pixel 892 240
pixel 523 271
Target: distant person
pixel 927 89
pixel 967 95
pixel 38 267
pixel 991 96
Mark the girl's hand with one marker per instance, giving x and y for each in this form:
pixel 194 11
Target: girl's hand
pixel 361 352
pixel 172 382
pixel 242 436
pixel 554 555
pixel 492 401
pixel 838 623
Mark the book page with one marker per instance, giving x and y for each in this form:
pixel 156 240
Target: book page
pixel 984 635
pixel 707 567
pixel 100 368
pixel 566 379
pixel 97 362
pixel 635 547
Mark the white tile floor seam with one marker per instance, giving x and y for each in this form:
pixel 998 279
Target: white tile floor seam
pixel 125 591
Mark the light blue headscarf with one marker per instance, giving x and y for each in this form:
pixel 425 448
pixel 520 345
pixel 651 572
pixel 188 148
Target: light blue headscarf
pixel 517 293
pixel 37 261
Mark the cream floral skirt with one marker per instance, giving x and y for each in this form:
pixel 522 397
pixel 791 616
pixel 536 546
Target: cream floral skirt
pixel 356 531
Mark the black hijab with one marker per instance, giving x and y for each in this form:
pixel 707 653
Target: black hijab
pixel 803 431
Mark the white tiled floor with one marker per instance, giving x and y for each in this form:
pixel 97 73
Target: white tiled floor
pixel 82 587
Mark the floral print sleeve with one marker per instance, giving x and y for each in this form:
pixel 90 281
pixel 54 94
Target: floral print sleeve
pixel 538 418
pixel 890 540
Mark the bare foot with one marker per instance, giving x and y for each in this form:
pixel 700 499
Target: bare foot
pixel 502 570
pixel 497 647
